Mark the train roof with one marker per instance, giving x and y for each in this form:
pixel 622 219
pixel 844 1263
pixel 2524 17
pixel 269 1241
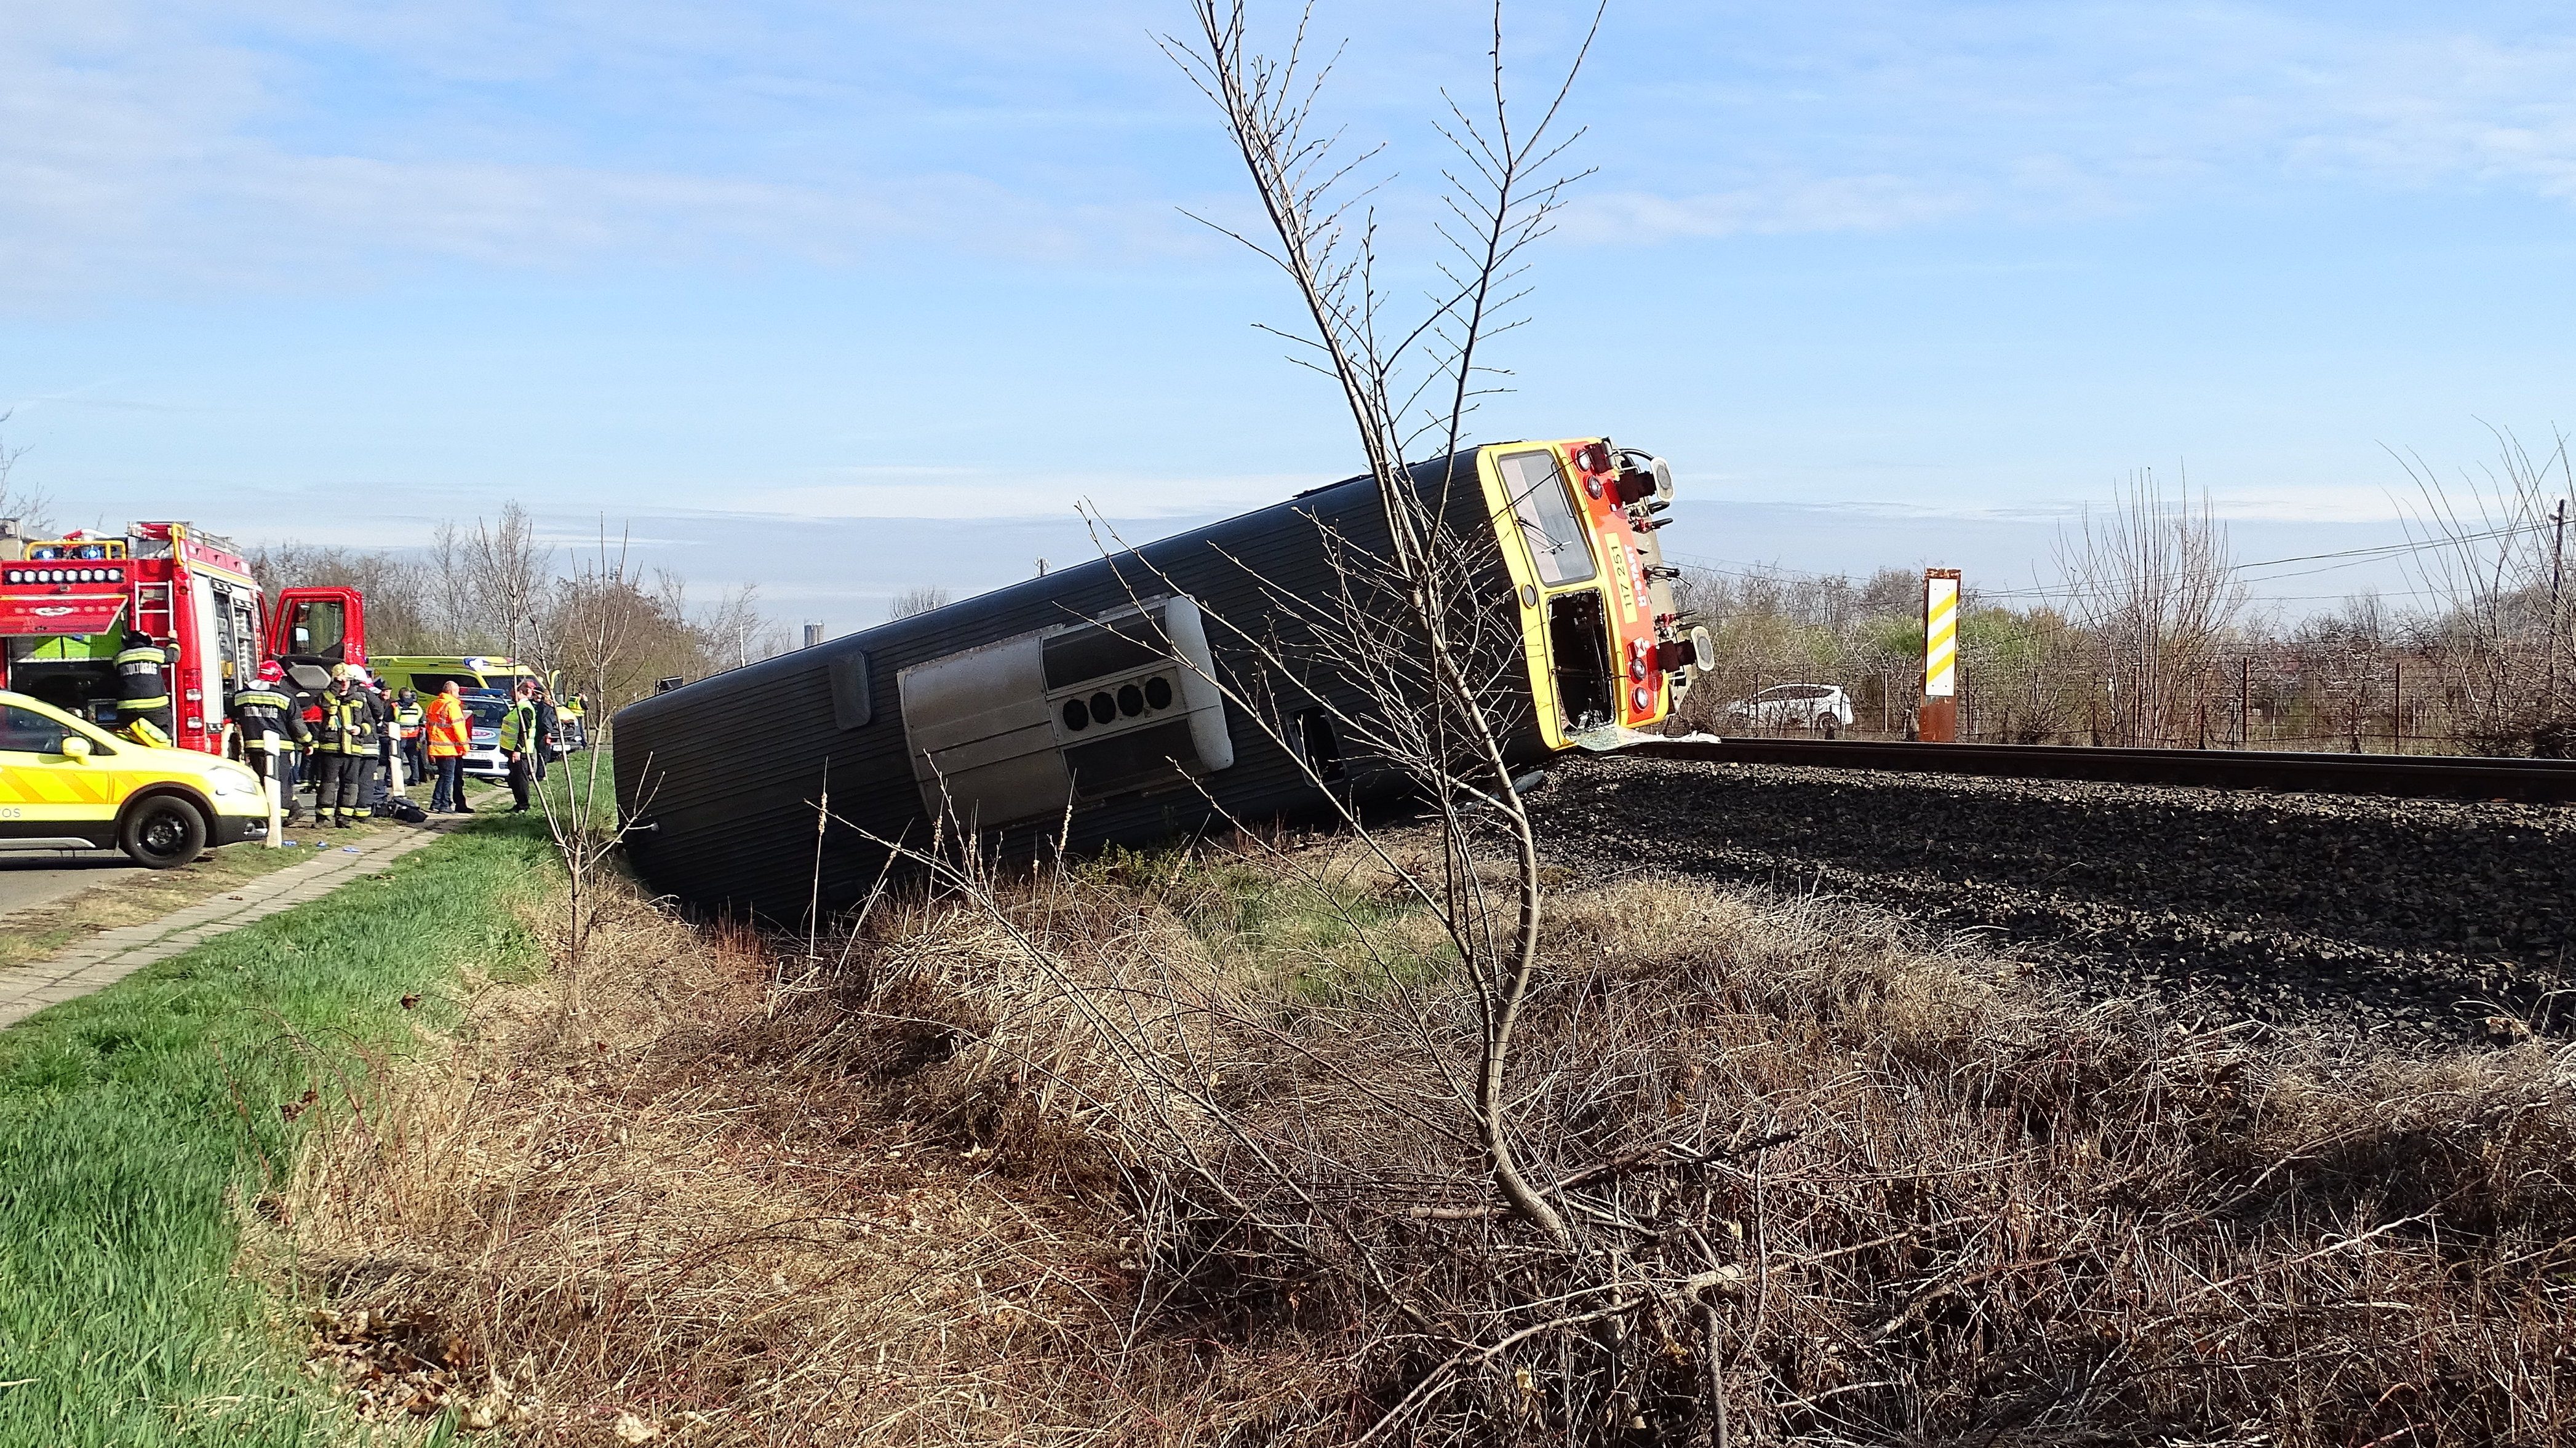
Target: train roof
pixel 784 665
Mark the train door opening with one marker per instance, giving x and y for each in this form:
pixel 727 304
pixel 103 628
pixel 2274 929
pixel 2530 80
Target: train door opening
pixel 1317 742
pixel 1578 641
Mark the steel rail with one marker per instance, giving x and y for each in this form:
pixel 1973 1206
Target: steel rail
pixel 2451 776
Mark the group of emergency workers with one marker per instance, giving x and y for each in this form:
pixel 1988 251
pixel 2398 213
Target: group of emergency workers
pixel 347 740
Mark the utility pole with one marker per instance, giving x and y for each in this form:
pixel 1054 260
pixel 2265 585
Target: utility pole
pixel 2557 571
pixel 2397 707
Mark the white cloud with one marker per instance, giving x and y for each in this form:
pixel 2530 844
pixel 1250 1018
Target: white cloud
pixel 1784 206
pixel 1932 114
pixel 2312 503
pixel 147 140
pixel 978 493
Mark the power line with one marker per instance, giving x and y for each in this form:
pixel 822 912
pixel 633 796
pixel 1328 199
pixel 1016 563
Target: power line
pixel 1772 572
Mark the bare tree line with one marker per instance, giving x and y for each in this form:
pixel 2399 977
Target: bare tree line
pixel 912 601
pixel 497 587
pixel 2149 638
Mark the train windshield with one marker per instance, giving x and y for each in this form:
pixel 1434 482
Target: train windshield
pixel 1548 520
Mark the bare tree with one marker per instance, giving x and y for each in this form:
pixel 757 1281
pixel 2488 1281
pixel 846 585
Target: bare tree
pixel 2153 586
pixel 450 591
pixel 508 569
pixel 602 626
pixel 916 601
pixel 1441 715
pixel 399 589
pixel 2502 633
pixel 2343 660
pixel 1428 683
pixel 31 506
pixel 735 631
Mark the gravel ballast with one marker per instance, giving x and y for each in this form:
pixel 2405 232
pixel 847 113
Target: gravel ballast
pixel 2393 921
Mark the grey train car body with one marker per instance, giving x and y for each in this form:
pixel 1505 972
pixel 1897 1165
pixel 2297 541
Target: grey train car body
pixel 1081 707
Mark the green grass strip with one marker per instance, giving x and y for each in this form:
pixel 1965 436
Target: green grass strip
pixel 133 1122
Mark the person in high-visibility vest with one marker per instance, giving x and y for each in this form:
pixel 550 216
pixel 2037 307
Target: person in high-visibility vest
pixel 143 690
pixel 272 728
pixel 410 718
pixel 342 749
pixel 518 740
pixel 448 731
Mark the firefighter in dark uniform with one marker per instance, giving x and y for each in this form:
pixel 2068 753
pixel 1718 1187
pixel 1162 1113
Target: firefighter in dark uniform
pixel 343 748
pixel 143 690
pixel 272 727
pixel 308 707
pixel 380 757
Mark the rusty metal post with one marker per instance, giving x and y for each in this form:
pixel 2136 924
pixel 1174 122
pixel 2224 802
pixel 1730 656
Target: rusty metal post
pixel 2245 702
pixel 1939 720
pixel 2397 707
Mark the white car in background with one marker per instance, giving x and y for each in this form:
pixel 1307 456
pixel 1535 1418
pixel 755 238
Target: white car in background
pixel 1823 708
pixel 483 756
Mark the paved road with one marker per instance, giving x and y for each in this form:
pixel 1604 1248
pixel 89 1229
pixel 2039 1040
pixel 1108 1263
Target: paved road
pixel 30 880
pixel 33 879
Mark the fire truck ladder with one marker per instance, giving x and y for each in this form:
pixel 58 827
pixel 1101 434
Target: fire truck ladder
pixel 152 610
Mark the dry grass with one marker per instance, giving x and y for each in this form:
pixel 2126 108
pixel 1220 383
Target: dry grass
pixel 707 1219
pixel 1164 1151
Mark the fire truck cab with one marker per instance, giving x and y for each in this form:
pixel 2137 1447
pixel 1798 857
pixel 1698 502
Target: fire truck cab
pixel 66 602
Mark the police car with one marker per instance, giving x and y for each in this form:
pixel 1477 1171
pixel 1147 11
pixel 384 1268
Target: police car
pixel 483 711
pixel 69 785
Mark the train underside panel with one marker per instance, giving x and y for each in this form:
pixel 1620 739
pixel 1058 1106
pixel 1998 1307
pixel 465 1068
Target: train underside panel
pixel 1083 707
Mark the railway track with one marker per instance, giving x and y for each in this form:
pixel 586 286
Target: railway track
pixel 2322 899
pixel 2397 775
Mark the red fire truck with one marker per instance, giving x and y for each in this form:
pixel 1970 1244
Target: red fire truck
pixel 66 602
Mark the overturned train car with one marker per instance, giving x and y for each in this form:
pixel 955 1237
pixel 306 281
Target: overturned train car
pixel 1111 703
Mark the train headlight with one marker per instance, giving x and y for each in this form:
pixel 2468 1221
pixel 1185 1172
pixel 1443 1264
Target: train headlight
pixel 1645 698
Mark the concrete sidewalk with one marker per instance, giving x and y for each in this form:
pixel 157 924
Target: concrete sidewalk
pixel 112 955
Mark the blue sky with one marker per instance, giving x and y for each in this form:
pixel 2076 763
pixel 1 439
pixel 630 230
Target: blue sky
pixel 845 298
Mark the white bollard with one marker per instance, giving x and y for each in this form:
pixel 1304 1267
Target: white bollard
pixel 272 785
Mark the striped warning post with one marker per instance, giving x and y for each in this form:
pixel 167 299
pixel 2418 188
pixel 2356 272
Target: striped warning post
pixel 1940 633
